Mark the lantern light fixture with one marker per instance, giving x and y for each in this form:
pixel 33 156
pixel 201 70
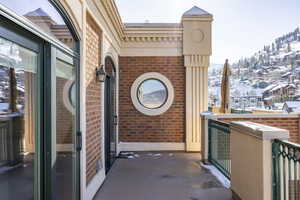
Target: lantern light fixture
pixel 100 73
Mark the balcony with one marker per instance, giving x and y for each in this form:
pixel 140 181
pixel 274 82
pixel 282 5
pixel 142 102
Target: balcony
pixel 162 176
pixel 258 153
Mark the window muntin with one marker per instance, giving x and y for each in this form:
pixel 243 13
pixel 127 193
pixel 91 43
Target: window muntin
pixel 152 93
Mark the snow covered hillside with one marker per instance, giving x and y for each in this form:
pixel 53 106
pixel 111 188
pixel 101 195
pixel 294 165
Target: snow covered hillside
pixel 271 75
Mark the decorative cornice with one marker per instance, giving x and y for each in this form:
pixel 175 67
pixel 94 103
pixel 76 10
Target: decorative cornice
pixel 153 34
pixel 113 14
pixel 152 38
pixel 196 60
pixel 152 43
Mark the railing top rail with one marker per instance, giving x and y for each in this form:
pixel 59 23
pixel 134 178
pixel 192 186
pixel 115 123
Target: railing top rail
pixel 288 143
pixel 217 116
pixel 220 125
pixel 219 122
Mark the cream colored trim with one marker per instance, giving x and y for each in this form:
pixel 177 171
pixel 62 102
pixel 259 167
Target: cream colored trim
pixel 196 102
pixel 153 32
pixel 152 41
pixel 83 104
pixel 198 19
pixel 100 16
pixel 153 38
pixel 95 184
pixel 149 46
pixel 64 147
pixel 216 116
pixel 141 108
pixel 114 16
pixel 196 61
pixel 151 146
pixel 260 131
pixel 73 11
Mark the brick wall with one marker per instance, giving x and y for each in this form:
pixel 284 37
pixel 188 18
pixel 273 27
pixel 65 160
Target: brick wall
pixel 290 124
pixel 93 100
pixel 64 118
pixel 137 127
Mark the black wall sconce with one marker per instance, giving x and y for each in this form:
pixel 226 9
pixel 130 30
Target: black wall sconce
pixel 100 73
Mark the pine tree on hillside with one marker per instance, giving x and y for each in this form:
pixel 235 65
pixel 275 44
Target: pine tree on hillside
pixel 273 47
pixel 289 47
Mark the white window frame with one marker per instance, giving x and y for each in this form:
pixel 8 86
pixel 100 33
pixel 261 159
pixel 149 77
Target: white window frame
pixel 152 111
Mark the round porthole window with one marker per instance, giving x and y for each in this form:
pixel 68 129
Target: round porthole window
pixel 152 93
pixel 69 95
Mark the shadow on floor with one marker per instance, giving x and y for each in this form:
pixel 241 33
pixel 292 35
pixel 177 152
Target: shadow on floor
pixel 161 176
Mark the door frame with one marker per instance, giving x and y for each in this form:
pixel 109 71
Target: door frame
pixel 15 29
pixel 110 79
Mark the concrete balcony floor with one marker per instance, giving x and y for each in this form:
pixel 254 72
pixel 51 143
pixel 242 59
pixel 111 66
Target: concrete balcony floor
pixel 161 176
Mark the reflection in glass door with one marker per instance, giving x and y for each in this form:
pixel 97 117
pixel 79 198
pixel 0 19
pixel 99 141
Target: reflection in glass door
pixel 63 126
pixel 18 108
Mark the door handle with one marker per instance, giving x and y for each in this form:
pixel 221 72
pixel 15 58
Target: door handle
pixel 79 141
pixel 115 120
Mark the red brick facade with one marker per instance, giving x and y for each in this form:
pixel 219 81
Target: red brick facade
pixel 93 100
pixel 137 127
pixel 290 124
pixel 64 118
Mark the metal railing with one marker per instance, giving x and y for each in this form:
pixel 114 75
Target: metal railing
pixel 4 131
pixel 286 170
pixel 219 146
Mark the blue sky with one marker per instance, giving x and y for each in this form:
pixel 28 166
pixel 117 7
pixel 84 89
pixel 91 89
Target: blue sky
pixel 240 27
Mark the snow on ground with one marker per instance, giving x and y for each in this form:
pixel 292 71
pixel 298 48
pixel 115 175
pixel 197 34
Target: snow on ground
pixel 225 181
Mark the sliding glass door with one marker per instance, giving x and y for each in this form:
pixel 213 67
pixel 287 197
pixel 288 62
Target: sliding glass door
pixel 18 121
pixel 63 125
pixel 39 139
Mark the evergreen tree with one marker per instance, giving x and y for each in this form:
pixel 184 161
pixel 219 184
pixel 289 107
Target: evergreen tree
pixel 289 47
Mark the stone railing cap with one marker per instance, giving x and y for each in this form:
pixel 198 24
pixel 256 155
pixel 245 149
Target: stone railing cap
pixel 210 115
pixel 259 130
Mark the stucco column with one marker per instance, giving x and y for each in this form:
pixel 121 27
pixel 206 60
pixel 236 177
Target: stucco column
pixel 196 50
pixel 251 159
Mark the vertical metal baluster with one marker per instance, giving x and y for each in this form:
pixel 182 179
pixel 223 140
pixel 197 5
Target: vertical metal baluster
pixel 295 173
pixel 278 162
pixel 227 150
pixel 284 176
pixel 290 173
pixel 276 168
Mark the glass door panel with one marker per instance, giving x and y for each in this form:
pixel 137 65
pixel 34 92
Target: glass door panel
pixel 63 135
pixel 18 108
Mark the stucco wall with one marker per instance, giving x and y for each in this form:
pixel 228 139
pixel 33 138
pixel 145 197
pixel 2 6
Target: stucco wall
pixel 137 127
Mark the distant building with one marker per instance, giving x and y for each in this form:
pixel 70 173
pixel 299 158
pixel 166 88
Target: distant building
pixel 279 93
pixel 291 106
pixel 44 21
